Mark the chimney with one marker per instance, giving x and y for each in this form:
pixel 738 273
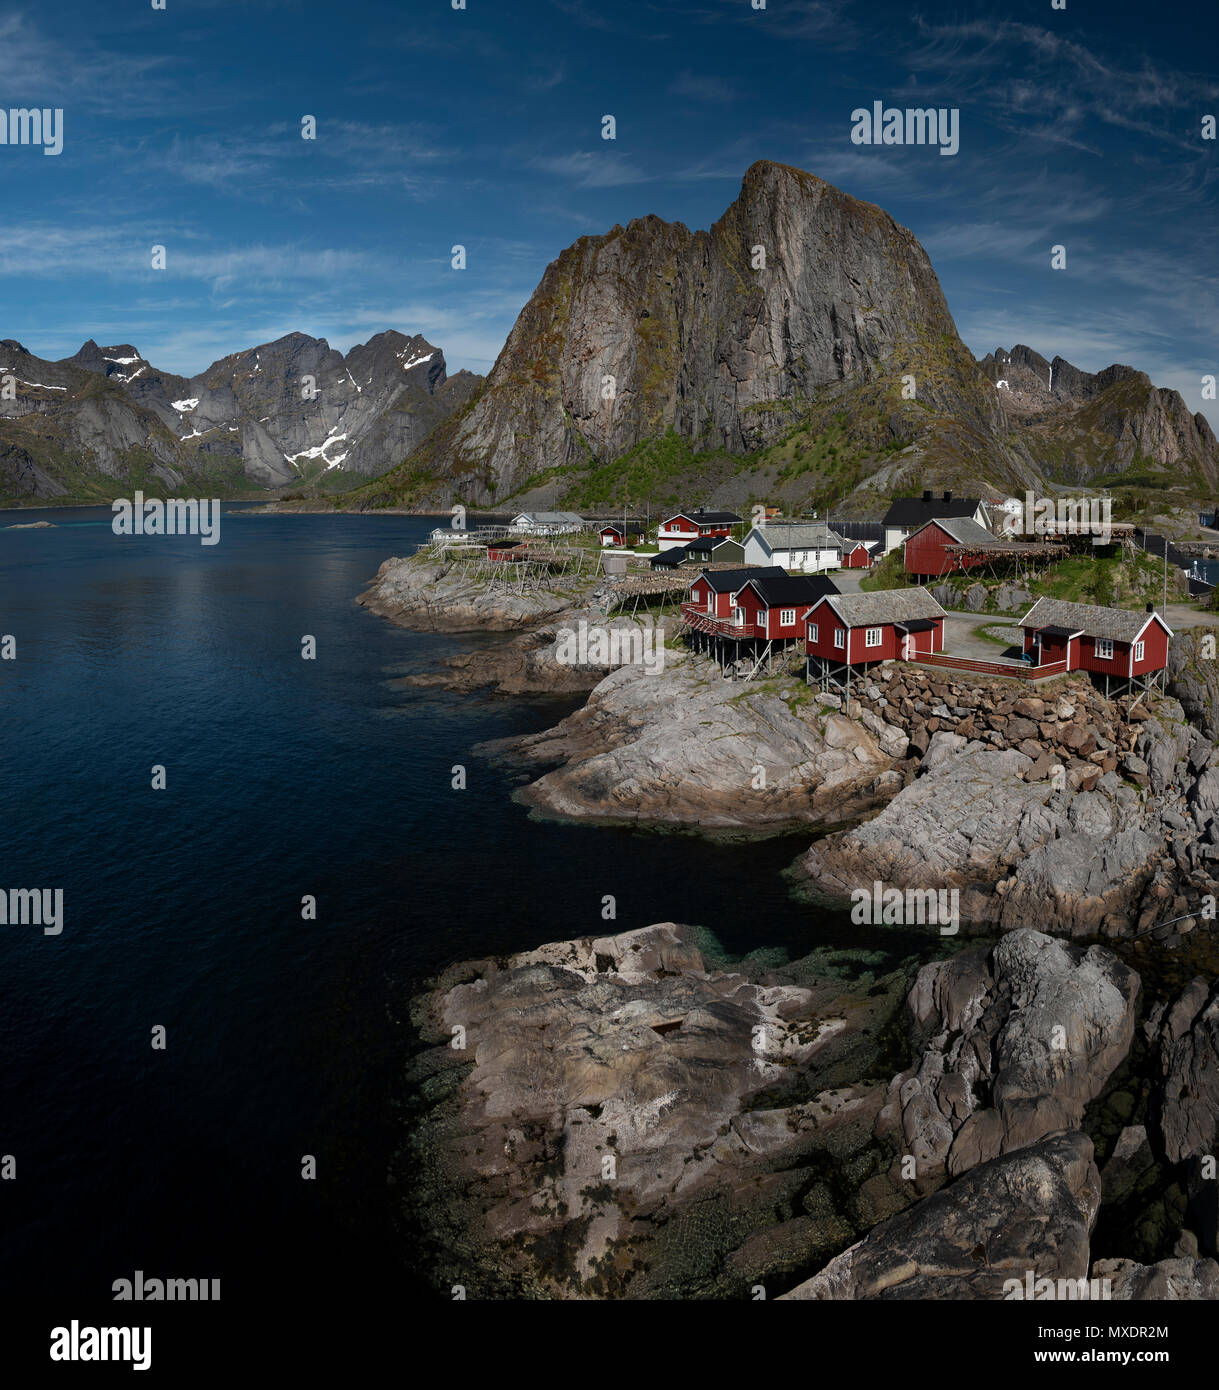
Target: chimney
pixel 1151 608
pixel 948 495
pixel 926 494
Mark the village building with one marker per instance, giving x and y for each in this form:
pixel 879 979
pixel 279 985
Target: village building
pixel 860 555
pixel 847 633
pixel 505 550
pixel 715 550
pixel 694 525
pixel 671 559
pixel 546 523
pixel 867 531
pixel 747 618
pixel 907 514
pixel 613 534
pixel 1126 649
pixel 807 546
pixel 711 591
pixel 947 545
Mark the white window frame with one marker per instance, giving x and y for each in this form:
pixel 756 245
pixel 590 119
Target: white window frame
pixel 1139 649
pixel 738 615
pixel 762 614
pixel 1104 648
pixel 787 617
pixel 812 633
pixel 840 636
pixel 873 637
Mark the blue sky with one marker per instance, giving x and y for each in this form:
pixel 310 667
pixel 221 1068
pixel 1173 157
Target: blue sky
pixel 483 127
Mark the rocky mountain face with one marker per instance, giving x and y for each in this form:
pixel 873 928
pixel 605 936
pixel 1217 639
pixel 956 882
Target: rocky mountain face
pixel 106 420
pixel 798 293
pixel 804 340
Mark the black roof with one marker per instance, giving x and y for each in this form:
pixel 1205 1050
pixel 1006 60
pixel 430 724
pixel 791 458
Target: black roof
pixel 702 516
pixel 1053 631
pixel 916 625
pixel 670 559
pixel 729 581
pixel 918 511
pixel 778 589
pixel 706 544
pixel 859 530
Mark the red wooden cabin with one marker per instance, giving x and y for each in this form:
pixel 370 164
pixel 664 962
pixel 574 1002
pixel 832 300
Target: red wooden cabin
pixel 774 605
pixel 857 557
pixel 859 629
pixel 1119 644
pixel 927 555
pixel 690 526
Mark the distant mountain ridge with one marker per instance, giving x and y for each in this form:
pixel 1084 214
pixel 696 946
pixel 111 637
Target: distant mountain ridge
pixel 106 420
pixel 801 350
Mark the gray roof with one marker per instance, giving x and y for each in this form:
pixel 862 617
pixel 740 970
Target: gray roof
pixel 1121 624
pixel 884 606
pixel 800 535
pixel 964 530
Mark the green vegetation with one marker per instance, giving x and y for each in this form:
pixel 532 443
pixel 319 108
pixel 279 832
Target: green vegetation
pixel 1002 635
pixel 654 471
pixel 890 573
pixel 1110 580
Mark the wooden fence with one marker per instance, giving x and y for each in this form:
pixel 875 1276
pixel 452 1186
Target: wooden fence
pixel 1020 670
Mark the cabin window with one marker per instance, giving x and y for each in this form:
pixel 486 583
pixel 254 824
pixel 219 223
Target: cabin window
pixel 872 638
pixel 812 633
pixel 1138 651
pixel 763 614
pixel 787 617
pixel 840 637
pixel 1104 648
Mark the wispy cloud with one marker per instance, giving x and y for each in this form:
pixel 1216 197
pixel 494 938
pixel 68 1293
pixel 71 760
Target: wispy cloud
pixel 588 169
pixel 702 87
pixel 81 73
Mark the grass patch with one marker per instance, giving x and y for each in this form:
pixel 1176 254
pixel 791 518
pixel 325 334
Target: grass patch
pixel 890 573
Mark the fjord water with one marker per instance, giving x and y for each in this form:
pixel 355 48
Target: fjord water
pixel 182 907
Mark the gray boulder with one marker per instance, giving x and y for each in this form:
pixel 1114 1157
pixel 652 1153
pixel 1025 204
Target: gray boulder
pixel 1170 1281
pixel 1027 1213
pixel 1016 1041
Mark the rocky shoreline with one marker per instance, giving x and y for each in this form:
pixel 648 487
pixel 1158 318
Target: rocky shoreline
pixel 1090 816
pixel 598 1119
pixel 620 1117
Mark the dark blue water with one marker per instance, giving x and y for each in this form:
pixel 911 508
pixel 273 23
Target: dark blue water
pixel 285 777
pixel 1204 569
